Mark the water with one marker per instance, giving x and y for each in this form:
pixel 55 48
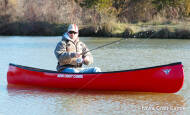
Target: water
pixel 128 54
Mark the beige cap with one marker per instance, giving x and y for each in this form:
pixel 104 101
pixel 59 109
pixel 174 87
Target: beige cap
pixel 73 27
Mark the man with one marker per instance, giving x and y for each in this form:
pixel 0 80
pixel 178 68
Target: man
pixel 72 53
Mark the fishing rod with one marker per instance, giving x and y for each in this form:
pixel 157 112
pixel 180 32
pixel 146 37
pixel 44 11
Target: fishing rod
pixel 103 46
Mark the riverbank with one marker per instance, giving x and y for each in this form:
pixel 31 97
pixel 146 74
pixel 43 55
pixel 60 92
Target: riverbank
pixel 139 30
pixel 105 18
pixel 109 29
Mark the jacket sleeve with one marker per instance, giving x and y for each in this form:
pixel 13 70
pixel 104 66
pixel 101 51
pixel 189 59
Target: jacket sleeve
pixel 85 49
pixel 61 53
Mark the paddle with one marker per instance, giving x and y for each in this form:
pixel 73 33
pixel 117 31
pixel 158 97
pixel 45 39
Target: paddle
pixel 103 46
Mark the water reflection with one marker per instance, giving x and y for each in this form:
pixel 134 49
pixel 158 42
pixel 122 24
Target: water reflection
pixel 86 102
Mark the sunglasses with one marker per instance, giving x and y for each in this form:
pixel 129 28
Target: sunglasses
pixel 72 32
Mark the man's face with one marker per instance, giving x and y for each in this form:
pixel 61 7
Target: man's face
pixel 73 35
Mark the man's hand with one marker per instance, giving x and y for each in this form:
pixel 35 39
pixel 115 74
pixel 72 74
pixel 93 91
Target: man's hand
pixel 86 59
pixel 77 55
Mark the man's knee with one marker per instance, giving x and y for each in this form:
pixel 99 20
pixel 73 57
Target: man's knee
pixel 97 69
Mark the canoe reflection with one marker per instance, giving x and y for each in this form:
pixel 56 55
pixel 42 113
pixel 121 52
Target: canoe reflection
pixel 102 102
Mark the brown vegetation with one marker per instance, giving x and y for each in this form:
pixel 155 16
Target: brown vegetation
pixel 95 17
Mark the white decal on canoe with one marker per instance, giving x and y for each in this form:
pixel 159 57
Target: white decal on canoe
pixel 166 71
pixel 69 76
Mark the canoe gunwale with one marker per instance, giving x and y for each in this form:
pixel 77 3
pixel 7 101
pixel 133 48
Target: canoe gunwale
pixel 51 71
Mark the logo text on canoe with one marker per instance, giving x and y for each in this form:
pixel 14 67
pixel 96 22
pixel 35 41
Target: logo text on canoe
pixel 69 76
pixel 166 71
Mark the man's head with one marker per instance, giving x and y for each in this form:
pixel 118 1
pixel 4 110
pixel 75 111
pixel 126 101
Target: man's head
pixel 73 31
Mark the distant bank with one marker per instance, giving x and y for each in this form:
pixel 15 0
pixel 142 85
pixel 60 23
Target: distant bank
pixel 143 30
pixel 109 18
pixel 105 18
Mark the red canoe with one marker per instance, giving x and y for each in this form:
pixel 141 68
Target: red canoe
pixel 165 78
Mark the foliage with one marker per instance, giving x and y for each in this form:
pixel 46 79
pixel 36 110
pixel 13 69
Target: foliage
pixel 103 7
pixel 187 7
pixel 99 3
pixel 160 4
pixel 108 16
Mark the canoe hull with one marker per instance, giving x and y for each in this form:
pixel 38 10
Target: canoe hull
pixel 166 79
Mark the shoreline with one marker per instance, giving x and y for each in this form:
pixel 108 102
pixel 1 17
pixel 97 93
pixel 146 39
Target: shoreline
pixel 110 29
